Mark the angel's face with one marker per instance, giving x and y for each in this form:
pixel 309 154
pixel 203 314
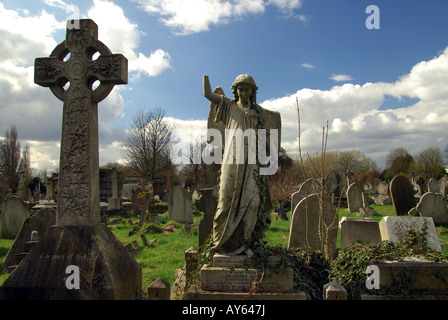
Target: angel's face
pixel 244 92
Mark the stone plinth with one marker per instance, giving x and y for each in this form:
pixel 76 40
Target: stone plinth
pixel 232 278
pixel 106 269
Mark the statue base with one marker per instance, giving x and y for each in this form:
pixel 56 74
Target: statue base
pixel 236 277
pixel 75 263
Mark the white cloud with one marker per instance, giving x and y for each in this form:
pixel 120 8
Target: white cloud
pixel 121 35
pixel 341 77
pixel 307 65
pixel 193 16
pixel 34 110
pixel 69 8
pixel 356 120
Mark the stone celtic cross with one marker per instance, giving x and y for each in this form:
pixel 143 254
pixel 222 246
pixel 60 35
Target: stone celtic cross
pixel 78 196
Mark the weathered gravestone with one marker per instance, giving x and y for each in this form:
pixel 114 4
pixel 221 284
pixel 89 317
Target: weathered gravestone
pixel 308 187
pixel 365 230
pixel 402 194
pixel 179 205
pixel 14 212
pixel 432 205
pixel 79 257
pixel 40 222
pixel 207 203
pixel 396 228
pixel 114 204
pixel 314 224
pixel 433 186
pixel 333 183
pixel 421 183
pixel 383 188
pixel 355 197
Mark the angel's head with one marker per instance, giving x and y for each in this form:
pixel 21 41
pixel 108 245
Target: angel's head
pixel 245 80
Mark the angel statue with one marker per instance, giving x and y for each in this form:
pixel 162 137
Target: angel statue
pixel 244 203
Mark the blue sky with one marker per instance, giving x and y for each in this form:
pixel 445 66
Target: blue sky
pixel 379 89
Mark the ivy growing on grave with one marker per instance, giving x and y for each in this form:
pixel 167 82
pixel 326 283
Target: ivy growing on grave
pixel 349 267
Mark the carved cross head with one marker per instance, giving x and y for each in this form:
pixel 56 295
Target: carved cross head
pixel 73 67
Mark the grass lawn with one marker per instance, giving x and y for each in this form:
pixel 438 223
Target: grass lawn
pixel 166 254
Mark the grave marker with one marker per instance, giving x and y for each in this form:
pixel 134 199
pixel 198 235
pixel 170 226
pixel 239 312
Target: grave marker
pixel 179 205
pixel 402 194
pixel 314 227
pixel 78 239
pixel 355 197
pixel 14 212
pixel 432 205
pixel 396 228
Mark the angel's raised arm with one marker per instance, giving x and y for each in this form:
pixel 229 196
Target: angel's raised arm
pixel 208 93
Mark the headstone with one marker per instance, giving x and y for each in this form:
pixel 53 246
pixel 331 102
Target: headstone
pixel 159 290
pixel 334 291
pixel 402 194
pixel 382 200
pixel 37 223
pixel 365 230
pixel 433 186
pixel 432 205
pixel 396 228
pixel 128 188
pixel 443 182
pixel 421 185
pixel 179 205
pixel 314 224
pixel 78 241
pixel 308 187
pixel 207 204
pixel 333 183
pixel 136 201
pixel 14 212
pixel 114 203
pixel 383 188
pixel 355 197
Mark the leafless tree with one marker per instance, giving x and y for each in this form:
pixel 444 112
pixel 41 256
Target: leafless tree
pixel 12 161
pixel 147 145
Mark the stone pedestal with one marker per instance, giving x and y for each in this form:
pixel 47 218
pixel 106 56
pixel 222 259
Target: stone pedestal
pixel 106 269
pixel 232 277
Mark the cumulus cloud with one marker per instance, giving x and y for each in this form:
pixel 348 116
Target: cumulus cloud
pixel 193 16
pixel 34 110
pixel 122 35
pixel 357 121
